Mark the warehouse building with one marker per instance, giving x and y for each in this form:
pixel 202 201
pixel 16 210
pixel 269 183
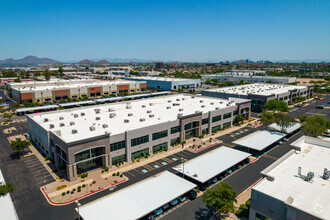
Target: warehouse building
pixel 99 136
pixel 246 78
pixel 166 83
pixel 260 93
pixel 50 91
pixel 296 186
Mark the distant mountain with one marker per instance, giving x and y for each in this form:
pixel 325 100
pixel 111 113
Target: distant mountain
pixel 29 60
pixel 103 62
pixel 123 60
pixel 302 61
pixel 85 61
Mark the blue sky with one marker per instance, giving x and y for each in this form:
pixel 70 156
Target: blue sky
pixel 166 29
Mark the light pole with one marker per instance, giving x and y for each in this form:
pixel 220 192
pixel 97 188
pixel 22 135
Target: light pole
pixel 78 205
pixel 183 160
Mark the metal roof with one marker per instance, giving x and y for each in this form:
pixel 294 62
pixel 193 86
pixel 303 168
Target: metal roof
pixel 137 200
pixel 7 208
pixel 37 108
pixel 209 165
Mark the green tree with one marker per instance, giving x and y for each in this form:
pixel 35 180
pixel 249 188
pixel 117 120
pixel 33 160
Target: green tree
pixel 315 125
pixel 60 71
pixel 276 105
pixel 16 105
pixel 17 80
pixel 284 121
pixel 267 117
pixel 238 119
pixel 19 146
pixel 47 75
pixel 6 188
pixel 221 198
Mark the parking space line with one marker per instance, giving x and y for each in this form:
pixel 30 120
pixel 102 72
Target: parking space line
pixel 138 171
pixel 167 160
pixel 158 163
pixel 148 167
pixel 130 173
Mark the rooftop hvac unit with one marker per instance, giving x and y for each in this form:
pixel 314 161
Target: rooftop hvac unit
pixel 97 118
pixel 128 107
pixel 61 124
pixel 97 110
pixel 74 131
pixel 92 128
pixel 149 111
pixel 168 107
pixel 176 104
pixel 192 97
pixel 143 106
pixel 203 106
pixel 51 126
pixel 212 103
pixel 181 109
pixel 126 120
pixel 130 114
pixel 82 114
pixel 151 104
pixel 201 101
pixel 177 100
pixel 217 108
pixel 75 115
pixel 105 126
pixel 326 174
pixel 180 115
pixel 142 119
pixel 46 120
pixel 72 123
pixel 309 177
pixel 112 115
pixel 111 109
pixel 183 98
pixel 61 118
pixel 169 101
pixel 151 115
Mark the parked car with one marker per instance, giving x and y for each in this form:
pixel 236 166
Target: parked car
pixel 229 171
pixel 192 195
pixel 151 217
pixel 182 198
pixel 320 107
pixel 214 180
pixel 247 160
pixel 158 212
pixel 174 202
pixel 238 166
pixel 298 105
pixel 166 206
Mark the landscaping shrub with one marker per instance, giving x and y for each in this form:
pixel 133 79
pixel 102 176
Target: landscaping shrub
pixel 67 192
pixel 118 173
pixel 114 174
pixel 83 185
pixel 47 158
pixel 72 192
pixel 138 160
pixel 106 169
pixel 92 191
pixel 61 187
pixel 121 175
pixel 102 171
pixel 94 182
pixel 79 190
pixel 63 193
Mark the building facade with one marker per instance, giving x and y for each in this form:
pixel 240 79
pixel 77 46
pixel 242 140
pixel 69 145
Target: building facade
pixel 246 78
pixel 91 137
pixel 51 91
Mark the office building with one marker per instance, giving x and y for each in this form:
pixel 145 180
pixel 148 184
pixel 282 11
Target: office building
pixel 98 136
pixel 250 79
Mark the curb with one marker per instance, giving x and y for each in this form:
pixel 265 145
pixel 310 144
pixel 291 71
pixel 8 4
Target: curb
pixel 71 201
pixel 255 160
pixel 207 147
pixel 249 188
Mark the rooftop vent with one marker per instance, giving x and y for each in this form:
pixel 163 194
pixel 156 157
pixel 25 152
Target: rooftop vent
pixel 92 128
pixel 97 110
pixel 111 110
pixel 180 115
pixel 217 108
pixel 112 115
pixel 51 126
pixel 74 131
pixel 142 119
pixel 130 114
pixel 151 115
pixel 97 118
pixel 128 107
pixel 309 177
pixel 126 120
pixel 192 97
pixel 82 114
pixel 181 109
pixel 61 118
pixel 183 98
pixel 169 101
pixel 46 120
pixel 72 123
pixel 143 106
pixel 151 103
pixel 75 115
pixel 62 124
pixel 149 111
pixel 203 106
pixel 168 107
pixel 178 100
pixel 105 126
pixel 176 104
pixel 201 101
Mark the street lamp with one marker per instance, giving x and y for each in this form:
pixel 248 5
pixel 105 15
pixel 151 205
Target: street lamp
pixel 183 160
pixel 78 205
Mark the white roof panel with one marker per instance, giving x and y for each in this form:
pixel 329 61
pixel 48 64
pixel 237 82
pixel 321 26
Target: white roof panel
pixel 259 140
pixel 7 208
pixel 212 163
pixel 288 130
pixel 139 199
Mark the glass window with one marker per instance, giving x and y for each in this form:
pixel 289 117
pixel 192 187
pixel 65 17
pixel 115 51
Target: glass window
pixel 117 146
pixel 139 140
pixel 216 128
pixel 175 141
pixel 175 129
pixel 205 131
pixel 118 159
pixel 226 125
pixel 140 153
pixel 191 125
pixel 159 135
pixel 89 153
pixel 228 115
pixel 159 147
pixel 216 118
pixel 205 121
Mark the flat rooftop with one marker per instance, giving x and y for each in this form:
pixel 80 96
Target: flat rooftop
pixel 288 130
pixel 7 208
pixel 168 79
pixel 258 89
pixel 252 77
pixel 259 140
pixel 51 85
pixel 310 197
pixel 138 200
pixel 211 164
pixel 111 117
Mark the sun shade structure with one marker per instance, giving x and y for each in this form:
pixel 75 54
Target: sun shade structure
pixel 137 200
pixel 259 140
pixel 209 165
pixel 288 130
pixel 7 208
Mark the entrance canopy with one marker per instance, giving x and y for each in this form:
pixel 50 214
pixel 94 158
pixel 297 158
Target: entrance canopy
pixel 260 140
